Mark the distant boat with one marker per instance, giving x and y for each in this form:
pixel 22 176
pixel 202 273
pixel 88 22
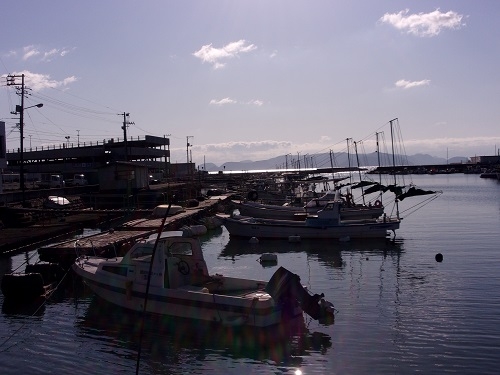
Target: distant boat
pixel 489 174
pixel 169 276
pixel 326 224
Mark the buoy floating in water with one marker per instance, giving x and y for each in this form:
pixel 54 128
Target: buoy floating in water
pixel 253 240
pixel 439 257
pixel 268 257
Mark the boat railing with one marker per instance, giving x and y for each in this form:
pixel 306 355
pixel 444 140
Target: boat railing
pixel 79 250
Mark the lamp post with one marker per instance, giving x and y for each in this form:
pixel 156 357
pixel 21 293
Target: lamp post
pixel 20 109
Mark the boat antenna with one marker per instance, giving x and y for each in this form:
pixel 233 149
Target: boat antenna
pixel 147 287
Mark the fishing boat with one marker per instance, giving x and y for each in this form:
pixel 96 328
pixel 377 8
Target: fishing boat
pixel 327 223
pixel 169 276
pixel 348 210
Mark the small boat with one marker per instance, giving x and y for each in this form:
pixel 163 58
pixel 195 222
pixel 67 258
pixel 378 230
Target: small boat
pixel 38 281
pixel 326 223
pixel 169 276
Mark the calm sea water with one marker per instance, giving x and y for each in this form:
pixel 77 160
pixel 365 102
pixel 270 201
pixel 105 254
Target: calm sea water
pixel 399 311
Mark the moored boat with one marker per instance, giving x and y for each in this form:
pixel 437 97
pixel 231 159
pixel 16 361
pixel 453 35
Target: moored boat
pixel 170 277
pixel 325 224
pixel 348 210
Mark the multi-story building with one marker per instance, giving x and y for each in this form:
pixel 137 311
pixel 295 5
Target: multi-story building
pixel 68 159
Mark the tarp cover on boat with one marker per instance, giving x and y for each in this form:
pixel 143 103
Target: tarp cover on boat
pixel 413 191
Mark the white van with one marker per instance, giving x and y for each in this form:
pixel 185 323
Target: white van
pixel 51 181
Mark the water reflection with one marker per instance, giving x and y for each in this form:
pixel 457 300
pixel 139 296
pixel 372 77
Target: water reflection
pixel 328 252
pixel 35 308
pixel 170 340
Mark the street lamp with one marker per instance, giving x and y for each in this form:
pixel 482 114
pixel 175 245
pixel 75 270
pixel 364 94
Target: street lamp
pixel 20 109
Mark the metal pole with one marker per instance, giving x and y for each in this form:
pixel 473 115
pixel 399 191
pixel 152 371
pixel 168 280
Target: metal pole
pixel 124 127
pixel 21 131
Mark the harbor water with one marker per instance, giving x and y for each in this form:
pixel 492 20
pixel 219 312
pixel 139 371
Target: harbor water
pixel 400 311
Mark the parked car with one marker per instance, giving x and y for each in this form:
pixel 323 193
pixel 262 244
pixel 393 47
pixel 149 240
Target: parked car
pixel 77 180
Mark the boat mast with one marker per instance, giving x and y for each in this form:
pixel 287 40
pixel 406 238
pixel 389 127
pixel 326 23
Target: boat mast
pixel 359 172
pixel 394 164
pixel 379 171
pixel 349 160
pixel 333 171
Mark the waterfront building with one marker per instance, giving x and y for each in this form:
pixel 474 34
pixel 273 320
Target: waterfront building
pixel 68 159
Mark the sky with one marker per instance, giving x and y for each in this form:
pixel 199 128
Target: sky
pixel 251 80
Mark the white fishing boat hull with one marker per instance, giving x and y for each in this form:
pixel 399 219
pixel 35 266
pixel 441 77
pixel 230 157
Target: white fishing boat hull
pixel 254 308
pixel 180 286
pixel 253 227
pixel 326 224
pixel 269 211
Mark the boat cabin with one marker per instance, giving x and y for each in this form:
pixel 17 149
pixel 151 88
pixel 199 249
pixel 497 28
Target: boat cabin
pixel 178 261
pixel 328 216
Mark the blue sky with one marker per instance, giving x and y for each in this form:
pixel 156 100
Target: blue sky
pixel 250 80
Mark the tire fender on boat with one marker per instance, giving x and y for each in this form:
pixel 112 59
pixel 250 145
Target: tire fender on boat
pixel 253 195
pixel 377 203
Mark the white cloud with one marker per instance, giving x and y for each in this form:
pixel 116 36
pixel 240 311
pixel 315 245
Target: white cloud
pixel 38 82
pixel 219 153
pixel 223 101
pixel 214 56
pixel 29 52
pixel 403 83
pixel 257 102
pixel 423 24
pixel 262 150
pixel 47 56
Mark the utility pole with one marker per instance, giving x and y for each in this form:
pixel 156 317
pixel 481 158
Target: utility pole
pixel 124 128
pixel 11 81
pixel 187 147
pixel 78 137
pixel 188 170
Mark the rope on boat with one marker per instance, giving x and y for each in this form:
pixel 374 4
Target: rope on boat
pixel 410 210
pixel 26 261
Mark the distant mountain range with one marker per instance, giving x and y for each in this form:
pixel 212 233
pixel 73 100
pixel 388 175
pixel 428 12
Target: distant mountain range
pixel 323 161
